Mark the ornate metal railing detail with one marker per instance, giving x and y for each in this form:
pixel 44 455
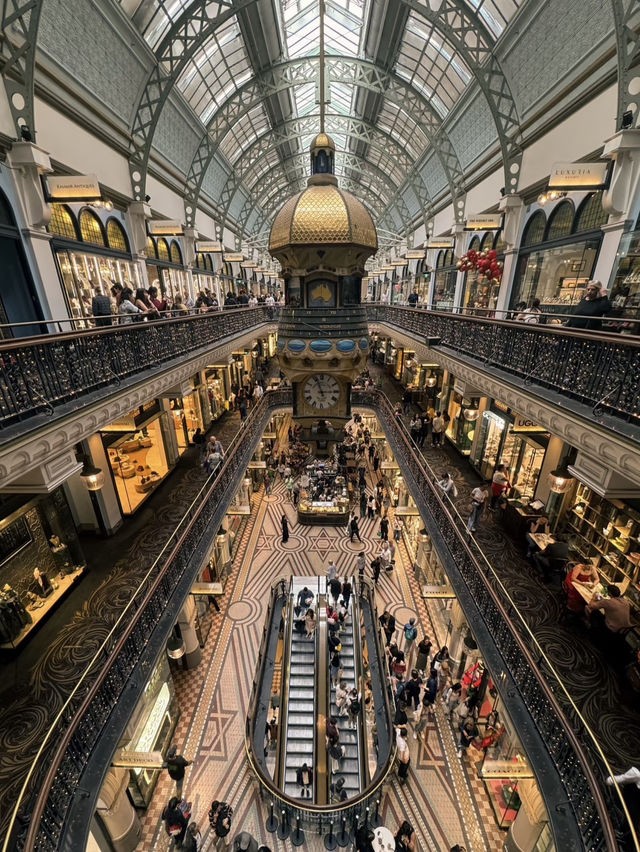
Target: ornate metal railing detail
pixel 41 374
pixel 596 369
pixel 41 814
pixel 573 748
pixel 581 817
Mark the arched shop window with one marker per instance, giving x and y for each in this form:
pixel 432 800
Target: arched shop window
pixel 18 299
pixel 200 264
pixel 499 244
pixel 560 221
pixel 116 236
pixel 176 254
pixel 555 268
pixel 444 281
pixel 487 241
pixel 151 247
pixel 590 215
pixel 474 245
pixel 63 223
pixel 163 250
pixel 208 262
pixel 91 228
pixel 534 229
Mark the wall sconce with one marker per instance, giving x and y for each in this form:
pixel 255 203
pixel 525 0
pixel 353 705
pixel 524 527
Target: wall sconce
pixel 92 477
pixel 560 480
pixel 431 382
pixel 470 414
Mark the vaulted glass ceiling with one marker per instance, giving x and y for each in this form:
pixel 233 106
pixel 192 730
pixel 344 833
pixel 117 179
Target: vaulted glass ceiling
pixel 384 126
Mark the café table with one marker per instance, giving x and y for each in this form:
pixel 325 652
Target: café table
pixel 384 840
pixel 543 540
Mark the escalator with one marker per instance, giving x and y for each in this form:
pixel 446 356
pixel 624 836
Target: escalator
pixel 350 765
pixel 300 728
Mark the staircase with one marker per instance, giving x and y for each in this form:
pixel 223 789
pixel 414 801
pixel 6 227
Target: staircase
pixel 301 727
pixel 350 763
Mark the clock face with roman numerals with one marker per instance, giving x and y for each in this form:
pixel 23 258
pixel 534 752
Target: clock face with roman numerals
pixel 321 391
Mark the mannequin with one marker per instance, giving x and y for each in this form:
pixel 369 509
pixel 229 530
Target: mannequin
pixel 43 582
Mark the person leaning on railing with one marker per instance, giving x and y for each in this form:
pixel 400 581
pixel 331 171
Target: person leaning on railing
pixel 589 310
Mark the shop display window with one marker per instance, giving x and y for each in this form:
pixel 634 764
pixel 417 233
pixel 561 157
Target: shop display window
pixel 523 458
pixel 462 426
pixel 187 417
pixel 83 273
pixel 169 281
pixel 216 393
pixel 625 287
pixel 40 560
pixel 157 713
pixel 444 282
pixel 487 454
pixel 557 276
pixel 138 463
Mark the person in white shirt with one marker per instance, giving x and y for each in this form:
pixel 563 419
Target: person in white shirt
pixel 332 570
pixel 257 392
pixel 478 499
pixel 448 485
pixel 531 314
pixel 252 301
pixel 437 429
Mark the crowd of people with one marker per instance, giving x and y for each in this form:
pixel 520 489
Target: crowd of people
pixel 128 304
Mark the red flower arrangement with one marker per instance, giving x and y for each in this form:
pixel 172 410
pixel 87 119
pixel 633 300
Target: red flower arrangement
pixel 485 262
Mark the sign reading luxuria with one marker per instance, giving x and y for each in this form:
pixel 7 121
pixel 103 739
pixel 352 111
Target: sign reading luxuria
pixel 579 176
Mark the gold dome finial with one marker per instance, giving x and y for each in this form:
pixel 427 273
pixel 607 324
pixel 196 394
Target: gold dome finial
pixel 322 140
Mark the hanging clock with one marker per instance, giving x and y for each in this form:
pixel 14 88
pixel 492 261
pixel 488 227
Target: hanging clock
pixel 321 391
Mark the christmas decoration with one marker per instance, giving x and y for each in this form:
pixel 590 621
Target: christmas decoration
pixel 485 262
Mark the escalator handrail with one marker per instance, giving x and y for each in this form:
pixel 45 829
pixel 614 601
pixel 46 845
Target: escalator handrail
pixel 321 763
pixel 358 669
pixel 285 686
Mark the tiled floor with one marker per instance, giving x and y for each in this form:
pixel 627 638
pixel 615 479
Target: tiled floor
pixel 440 799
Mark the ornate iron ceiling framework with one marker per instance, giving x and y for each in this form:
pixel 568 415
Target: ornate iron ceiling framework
pixel 20 19
pixel 628 54
pixel 301 72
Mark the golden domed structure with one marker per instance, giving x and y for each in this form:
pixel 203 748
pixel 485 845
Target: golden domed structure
pixel 322 238
pixel 323 214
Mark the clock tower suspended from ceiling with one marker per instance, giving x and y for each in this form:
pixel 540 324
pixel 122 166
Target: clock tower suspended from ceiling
pixel 322 238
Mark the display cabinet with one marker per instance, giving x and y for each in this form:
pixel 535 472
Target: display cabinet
pixel 606 533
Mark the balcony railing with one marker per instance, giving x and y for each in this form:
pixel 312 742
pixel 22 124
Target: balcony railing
pixel 598 370
pixel 40 375
pixel 601 818
pixel 41 818
pixel 41 815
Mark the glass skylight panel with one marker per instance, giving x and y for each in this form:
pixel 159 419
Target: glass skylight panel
pixel 403 128
pixel 305 97
pixel 429 63
pixel 244 132
pixel 216 70
pixel 341 95
pixel 495 14
pixel 153 18
pixel 343 26
pixel 302 30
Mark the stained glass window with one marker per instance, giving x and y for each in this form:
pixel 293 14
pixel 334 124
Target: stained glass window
pixel 163 250
pixel 116 236
pixel 91 228
pixel 62 222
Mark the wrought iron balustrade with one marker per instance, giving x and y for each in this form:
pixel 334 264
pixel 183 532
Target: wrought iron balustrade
pixel 42 818
pixel 599 370
pixel 41 815
pixel 41 374
pixel 600 816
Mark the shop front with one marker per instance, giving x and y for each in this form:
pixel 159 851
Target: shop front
pixel 40 560
pixel 205 277
pixel 558 255
pixel 481 294
pixel 152 724
pixel 218 388
pixel 444 281
pixel 165 269
pixel 625 285
pixel 186 414
pixel 92 255
pixel 462 409
pixel 506 437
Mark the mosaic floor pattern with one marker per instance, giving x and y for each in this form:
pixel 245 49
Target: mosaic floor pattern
pixel 441 799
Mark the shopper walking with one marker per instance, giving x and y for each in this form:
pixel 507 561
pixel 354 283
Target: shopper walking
pixel 397 529
pixel 388 623
pixel 437 430
pixel 332 570
pixel 175 765
pixel 410 636
pixel 175 822
pixel 371 508
pixel 424 650
pixel 335 587
pixel 404 758
pixel 304 780
pixel 285 529
pixel 468 733
pixel 346 593
pixel 376 566
pixel 424 430
pixel 354 529
pixel 384 529
pixel 342 695
pixel 499 484
pixel 361 564
pixel 478 500
pixel 220 814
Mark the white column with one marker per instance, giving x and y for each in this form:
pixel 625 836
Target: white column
pixel 512 208
pixel 169 433
pixel 186 621
pixel 118 815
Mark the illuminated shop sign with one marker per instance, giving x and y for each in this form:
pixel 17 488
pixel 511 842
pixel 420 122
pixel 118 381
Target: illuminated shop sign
pixel 73 188
pixel 579 176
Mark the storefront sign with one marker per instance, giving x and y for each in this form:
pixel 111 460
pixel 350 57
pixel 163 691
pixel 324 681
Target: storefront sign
pixel 523 424
pixel 164 227
pixel 500 406
pixel 206 247
pixel 73 188
pixel 484 222
pixel 578 176
pixel 138 759
pixel 248 264
pixel 440 243
pixel 233 258
pixel 415 254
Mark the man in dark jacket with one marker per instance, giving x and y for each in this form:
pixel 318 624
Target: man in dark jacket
pixel 176 765
pixel 335 587
pixel 101 308
pixel 590 308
